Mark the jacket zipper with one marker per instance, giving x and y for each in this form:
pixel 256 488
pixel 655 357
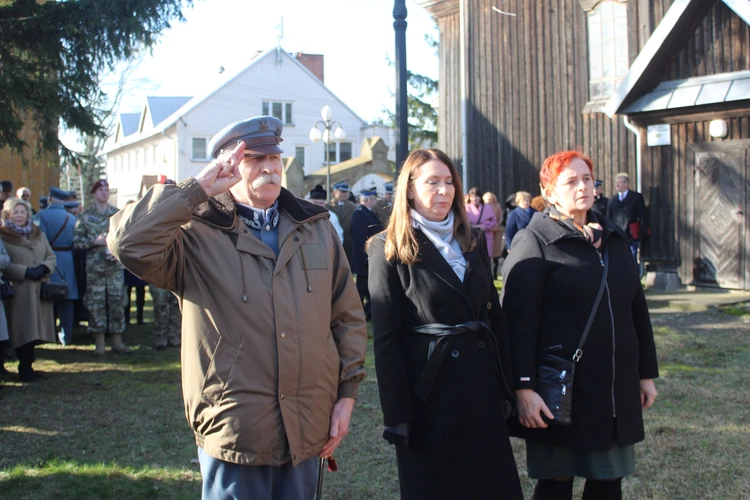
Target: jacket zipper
pixel 612 325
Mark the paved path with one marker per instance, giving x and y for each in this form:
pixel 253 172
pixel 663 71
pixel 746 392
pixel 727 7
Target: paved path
pixel 692 299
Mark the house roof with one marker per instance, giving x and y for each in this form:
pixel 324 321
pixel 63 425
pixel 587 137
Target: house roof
pixel 672 33
pixel 712 89
pixel 160 109
pixel 741 8
pixel 129 123
pixel 163 107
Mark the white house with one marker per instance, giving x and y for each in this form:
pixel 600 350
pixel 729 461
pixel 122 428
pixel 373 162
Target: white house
pixel 169 136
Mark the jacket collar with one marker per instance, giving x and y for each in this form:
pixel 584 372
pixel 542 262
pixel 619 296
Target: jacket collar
pixel 437 264
pixel 13 238
pixel 550 231
pixel 221 210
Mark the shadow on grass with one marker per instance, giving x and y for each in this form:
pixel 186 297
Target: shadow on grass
pixel 80 481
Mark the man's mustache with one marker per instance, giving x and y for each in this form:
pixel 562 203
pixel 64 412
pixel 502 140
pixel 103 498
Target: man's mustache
pixel 264 179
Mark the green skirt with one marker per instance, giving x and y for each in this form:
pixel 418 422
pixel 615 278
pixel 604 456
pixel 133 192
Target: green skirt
pixel 548 461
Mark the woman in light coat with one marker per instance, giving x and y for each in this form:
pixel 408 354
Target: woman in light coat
pixel 30 319
pixel 4 263
pixel 481 216
pixel 498 234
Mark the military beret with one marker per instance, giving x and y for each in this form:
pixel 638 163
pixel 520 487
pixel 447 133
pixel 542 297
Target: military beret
pixel 58 194
pixel 71 204
pixel 318 193
pixel 261 134
pixel 98 184
pixel 341 186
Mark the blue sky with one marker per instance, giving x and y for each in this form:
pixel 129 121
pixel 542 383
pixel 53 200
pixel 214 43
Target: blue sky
pixel 355 36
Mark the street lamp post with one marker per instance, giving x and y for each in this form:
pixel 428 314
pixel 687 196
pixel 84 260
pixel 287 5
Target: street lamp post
pixel 338 135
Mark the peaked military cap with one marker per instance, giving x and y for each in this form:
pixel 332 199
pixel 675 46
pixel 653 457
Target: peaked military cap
pixel 58 194
pixel 341 186
pixel 388 188
pixel 369 192
pixel 261 134
pixel 71 204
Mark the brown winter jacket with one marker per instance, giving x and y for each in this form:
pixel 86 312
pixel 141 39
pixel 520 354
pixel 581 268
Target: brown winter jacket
pixel 29 318
pixel 268 344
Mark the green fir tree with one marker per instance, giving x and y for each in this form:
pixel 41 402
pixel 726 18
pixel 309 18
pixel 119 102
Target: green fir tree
pixel 51 56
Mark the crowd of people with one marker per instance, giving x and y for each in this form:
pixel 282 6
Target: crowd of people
pixel 276 292
pixel 57 271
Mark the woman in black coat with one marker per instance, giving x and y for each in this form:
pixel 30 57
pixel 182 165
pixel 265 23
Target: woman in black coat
pixel 438 334
pixel 551 279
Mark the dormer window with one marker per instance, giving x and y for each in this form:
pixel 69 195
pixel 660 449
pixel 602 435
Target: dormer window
pixel 608 48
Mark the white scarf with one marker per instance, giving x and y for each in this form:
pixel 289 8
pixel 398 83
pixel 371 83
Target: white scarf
pixel 441 235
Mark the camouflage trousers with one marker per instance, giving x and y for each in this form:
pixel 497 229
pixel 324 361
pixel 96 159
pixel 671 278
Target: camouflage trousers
pixel 167 316
pixel 105 301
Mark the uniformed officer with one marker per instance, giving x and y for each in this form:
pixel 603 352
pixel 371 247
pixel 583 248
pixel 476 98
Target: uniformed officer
pixel 59 226
pixel 344 209
pixel 364 224
pixel 105 294
pixel 384 206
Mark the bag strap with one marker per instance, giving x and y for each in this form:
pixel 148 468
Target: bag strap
pixel 579 351
pixel 54 238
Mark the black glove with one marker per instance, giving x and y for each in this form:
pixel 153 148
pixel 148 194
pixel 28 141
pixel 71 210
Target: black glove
pixel 397 434
pixel 36 273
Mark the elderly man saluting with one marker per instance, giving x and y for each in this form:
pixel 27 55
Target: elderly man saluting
pixel 273 335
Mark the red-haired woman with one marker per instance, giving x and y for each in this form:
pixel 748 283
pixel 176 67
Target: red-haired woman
pixel 438 332
pixel 550 283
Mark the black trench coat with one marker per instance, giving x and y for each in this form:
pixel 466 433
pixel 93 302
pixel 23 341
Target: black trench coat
pixel 459 446
pixel 549 287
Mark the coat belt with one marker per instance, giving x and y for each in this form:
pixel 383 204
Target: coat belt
pixel 438 350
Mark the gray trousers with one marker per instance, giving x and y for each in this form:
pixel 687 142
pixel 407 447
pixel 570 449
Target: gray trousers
pixel 225 480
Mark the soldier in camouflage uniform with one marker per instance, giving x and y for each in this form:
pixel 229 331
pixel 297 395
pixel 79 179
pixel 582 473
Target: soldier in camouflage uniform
pixel 105 292
pixel 167 318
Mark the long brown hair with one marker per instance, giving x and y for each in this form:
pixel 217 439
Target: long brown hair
pixel 400 242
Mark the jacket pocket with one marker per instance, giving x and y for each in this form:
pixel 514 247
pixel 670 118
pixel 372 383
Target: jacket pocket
pixel 219 369
pixel 312 257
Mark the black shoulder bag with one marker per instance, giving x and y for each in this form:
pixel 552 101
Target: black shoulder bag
pixel 554 379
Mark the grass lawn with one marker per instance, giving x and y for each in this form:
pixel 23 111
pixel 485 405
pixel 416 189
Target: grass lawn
pixel 113 427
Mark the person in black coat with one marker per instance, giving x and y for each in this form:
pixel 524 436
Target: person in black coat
pixel 551 279
pixel 364 224
pixel 600 201
pixel 627 210
pixel 439 333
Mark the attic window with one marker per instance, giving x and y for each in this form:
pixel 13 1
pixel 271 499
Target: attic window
pixel 280 110
pixel 608 48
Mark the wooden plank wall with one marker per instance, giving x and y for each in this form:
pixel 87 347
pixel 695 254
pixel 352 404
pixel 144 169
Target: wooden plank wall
pixel 669 177
pixel 719 45
pixel 38 175
pixel 449 116
pixel 527 89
